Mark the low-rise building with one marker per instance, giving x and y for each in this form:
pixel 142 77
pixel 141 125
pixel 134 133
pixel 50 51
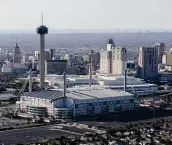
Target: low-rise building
pixel 165 76
pixel 16 68
pixel 134 85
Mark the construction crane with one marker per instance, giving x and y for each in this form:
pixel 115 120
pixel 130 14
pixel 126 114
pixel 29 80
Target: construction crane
pixel 23 87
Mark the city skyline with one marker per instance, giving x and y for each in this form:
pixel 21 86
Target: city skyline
pixel 85 15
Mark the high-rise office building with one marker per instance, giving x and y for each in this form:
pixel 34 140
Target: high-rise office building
pixel 161 48
pixel 49 53
pixel 2 55
pixel 25 58
pixel 55 66
pixel 16 57
pixel 148 62
pixel 118 60
pixel 106 62
pixel 110 44
pixel 37 55
pixel 94 59
pixel 112 60
pixel 164 58
pixel 70 59
pixel 167 58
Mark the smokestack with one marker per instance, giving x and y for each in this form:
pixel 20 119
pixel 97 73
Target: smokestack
pixel 125 77
pixel 90 76
pixel 30 80
pixel 64 84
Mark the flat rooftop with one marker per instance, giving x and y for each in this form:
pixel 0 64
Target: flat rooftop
pixel 97 94
pixel 45 94
pixel 77 94
pixel 135 86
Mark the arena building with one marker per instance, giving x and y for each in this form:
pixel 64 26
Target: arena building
pixel 78 102
pixel 134 85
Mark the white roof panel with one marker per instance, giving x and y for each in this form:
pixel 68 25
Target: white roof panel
pixel 97 93
pixel 79 94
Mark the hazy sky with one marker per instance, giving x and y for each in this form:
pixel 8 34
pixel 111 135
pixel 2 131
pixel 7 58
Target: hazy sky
pixel 86 14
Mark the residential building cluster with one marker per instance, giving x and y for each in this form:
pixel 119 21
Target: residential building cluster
pixel 113 59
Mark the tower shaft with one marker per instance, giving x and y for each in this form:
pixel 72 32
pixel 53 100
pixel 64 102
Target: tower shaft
pixel 90 75
pixel 64 84
pixel 125 76
pixel 30 80
pixel 125 80
pixel 42 60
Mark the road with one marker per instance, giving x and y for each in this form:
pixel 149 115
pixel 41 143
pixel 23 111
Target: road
pixel 37 133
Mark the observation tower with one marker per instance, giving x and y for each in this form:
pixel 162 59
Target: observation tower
pixel 42 30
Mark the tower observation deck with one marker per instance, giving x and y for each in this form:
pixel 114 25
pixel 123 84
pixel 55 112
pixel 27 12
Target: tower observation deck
pixel 42 30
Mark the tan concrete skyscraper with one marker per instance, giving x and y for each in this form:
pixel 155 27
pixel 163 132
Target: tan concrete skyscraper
pixel 42 30
pixel 148 62
pixel 118 60
pixel 167 57
pixel 106 57
pixel 112 60
pixel 106 61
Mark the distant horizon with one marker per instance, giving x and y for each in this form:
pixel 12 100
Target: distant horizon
pixel 86 30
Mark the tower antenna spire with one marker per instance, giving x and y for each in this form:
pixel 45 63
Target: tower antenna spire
pixel 16 39
pixel 42 18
